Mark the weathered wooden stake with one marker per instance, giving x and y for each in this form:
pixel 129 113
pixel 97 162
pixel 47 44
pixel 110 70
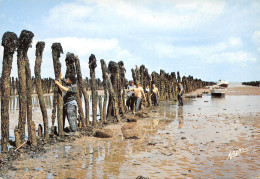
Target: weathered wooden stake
pixel 56 51
pixel 9 42
pixel 84 91
pixel 104 75
pixel 40 130
pixel 21 57
pixel 17 137
pixel 37 71
pixel 100 109
pixel 26 38
pixel 92 66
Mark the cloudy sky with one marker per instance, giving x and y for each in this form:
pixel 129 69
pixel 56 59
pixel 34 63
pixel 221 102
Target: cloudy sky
pixel 208 39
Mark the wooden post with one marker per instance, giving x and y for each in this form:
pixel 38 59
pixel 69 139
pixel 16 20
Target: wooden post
pixel 80 109
pixel 9 42
pixel 92 66
pixel 26 39
pixel 105 83
pixel 121 91
pixel 84 91
pixel 17 137
pixel 37 71
pixel 56 51
pixel 100 109
pixel 71 71
pixel 40 130
pixel 21 57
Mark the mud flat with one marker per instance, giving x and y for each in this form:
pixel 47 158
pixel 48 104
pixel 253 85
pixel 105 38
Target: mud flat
pixel 206 138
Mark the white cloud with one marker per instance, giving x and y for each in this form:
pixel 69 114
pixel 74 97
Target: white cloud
pixel 239 57
pixel 235 42
pixel 103 14
pixel 256 37
pixel 107 49
pixel 83 46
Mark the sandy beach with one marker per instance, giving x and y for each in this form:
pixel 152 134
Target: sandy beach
pixel 206 138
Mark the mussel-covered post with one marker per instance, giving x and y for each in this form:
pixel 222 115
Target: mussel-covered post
pixel 178 77
pixel 37 71
pixel 71 71
pixel 84 91
pixel 114 79
pixel 105 84
pixel 137 72
pixel 162 86
pixel 9 42
pixel 112 109
pixel 121 91
pixel 147 81
pixel 26 38
pixel 134 75
pixel 57 99
pixel 21 55
pixel 92 66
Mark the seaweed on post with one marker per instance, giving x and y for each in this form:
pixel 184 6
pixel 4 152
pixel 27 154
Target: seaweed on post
pixel 9 42
pixel 71 71
pixel 39 88
pixel 105 84
pixel 26 38
pixel 121 91
pixel 92 66
pixel 84 91
pixel 57 99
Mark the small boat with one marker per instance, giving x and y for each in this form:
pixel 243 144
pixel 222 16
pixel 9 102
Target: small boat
pixel 222 83
pixel 218 91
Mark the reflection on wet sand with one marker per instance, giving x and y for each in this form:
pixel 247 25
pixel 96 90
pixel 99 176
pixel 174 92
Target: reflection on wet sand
pixel 180 117
pixel 169 148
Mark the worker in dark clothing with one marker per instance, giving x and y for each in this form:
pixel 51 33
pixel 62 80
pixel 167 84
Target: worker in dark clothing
pixel 69 101
pixel 180 94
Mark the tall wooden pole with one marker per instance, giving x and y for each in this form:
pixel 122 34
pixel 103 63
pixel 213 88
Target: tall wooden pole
pixel 105 84
pixel 92 66
pixel 84 91
pixel 21 57
pixel 27 37
pixel 9 42
pixel 37 71
pixel 56 51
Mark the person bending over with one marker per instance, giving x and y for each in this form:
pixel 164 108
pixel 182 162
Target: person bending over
pixel 69 101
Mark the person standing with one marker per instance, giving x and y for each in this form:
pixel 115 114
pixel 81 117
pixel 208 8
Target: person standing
pixel 180 94
pixel 138 93
pixel 130 96
pixel 155 95
pixel 69 101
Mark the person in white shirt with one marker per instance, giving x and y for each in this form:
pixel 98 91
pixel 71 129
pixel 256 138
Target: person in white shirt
pixel 130 96
pixel 138 93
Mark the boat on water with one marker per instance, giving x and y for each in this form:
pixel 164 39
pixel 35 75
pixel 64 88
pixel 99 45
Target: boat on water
pixel 222 83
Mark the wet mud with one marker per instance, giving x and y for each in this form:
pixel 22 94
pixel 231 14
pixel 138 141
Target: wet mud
pixel 206 138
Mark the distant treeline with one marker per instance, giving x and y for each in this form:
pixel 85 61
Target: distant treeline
pixel 252 83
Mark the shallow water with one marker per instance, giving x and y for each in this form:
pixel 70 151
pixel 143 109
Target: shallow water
pixel 178 142
pixel 37 116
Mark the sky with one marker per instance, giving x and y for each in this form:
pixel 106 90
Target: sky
pixel 208 39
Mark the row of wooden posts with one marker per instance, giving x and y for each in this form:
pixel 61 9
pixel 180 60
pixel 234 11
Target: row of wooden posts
pixel 114 82
pixel 47 85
